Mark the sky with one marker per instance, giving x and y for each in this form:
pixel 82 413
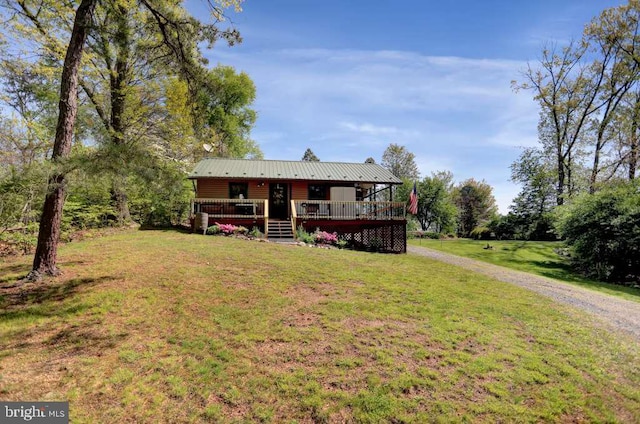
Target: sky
pixel 346 78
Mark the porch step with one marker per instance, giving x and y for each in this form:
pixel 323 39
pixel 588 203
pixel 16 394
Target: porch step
pixel 280 229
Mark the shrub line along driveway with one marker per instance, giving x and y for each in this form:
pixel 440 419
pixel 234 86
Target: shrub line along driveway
pixel 619 313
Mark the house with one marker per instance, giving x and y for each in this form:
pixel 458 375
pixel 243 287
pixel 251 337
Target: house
pixel 277 196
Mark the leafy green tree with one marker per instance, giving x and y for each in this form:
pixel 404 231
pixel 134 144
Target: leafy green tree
pixel 174 37
pixel 627 126
pixel 612 36
pixel 436 210
pixel 476 205
pixel 225 112
pixel 22 191
pixel 400 162
pixel 603 234
pixel 309 156
pixel 560 86
pixel 176 138
pixel 587 93
pixel 505 227
pixel 49 233
pixel 160 194
pixel 531 209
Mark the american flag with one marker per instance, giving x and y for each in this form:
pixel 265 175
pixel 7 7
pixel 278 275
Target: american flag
pixel 413 200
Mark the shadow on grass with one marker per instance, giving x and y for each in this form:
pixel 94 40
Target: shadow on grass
pixel 32 310
pixel 42 298
pixel 168 229
pixel 9 271
pixel 77 339
pixel 564 272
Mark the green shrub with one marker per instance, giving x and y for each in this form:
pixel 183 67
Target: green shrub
pixel 256 233
pixel 159 195
pixel 303 236
pixel 22 241
pixel 213 230
pixel 602 231
pixel 81 215
pixel 342 243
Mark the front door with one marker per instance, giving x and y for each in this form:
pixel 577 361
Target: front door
pixel 278 201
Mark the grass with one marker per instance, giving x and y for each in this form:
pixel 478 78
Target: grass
pixel 161 326
pixel 535 257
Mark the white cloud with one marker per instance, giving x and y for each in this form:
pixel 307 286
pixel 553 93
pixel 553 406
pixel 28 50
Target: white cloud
pixel 367 128
pixel 346 105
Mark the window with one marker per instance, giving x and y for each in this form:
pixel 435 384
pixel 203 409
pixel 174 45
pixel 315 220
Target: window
pixel 238 190
pixel 317 192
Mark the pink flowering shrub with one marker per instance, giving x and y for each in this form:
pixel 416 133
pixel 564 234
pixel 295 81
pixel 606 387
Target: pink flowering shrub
pixel 323 237
pixel 227 229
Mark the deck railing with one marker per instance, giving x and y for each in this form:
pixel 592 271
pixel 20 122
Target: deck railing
pixel 343 210
pixel 231 208
pixel 301 209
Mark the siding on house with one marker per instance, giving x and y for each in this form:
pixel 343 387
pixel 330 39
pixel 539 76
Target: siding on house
pixel 299 190
pixel 213 188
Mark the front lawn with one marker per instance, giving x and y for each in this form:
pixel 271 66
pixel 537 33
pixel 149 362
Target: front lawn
pixel 162 326
pixel 536 257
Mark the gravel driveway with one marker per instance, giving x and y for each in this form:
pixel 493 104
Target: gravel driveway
pixel 619 313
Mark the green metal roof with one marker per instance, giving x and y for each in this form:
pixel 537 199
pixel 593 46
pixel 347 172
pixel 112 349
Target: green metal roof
pixel 293 170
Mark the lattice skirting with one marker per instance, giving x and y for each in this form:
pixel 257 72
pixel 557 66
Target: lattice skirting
pixel 387 236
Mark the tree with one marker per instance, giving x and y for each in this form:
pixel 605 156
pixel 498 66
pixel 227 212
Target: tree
pixel 589 105
pixel 25 136
pixel 370 160
pixel 309 156
pixel 45 259
pixel 175 39
pixel 504 227
pixel 532 207
pixel 567 95
pixel 400 162
pixel 436 210
pixel 225 112
pixel 476 205
pixel 612 36
pixel 627 133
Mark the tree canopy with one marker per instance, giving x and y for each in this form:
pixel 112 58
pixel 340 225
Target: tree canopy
pixel 400 162
pixel 309 156
pixel 121 55
pixel 476 205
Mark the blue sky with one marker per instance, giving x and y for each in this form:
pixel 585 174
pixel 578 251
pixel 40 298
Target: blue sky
pixel 347 78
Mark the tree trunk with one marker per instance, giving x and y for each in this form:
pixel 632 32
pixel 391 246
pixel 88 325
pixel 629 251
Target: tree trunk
pixel 633 145
pixel 633 158
pixel 120 200
pixel 596 166
pixel 45 258
pixel 560 187
pixel 119 82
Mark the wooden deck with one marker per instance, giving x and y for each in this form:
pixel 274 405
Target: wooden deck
pixel 369 225
pixel 302 209
pixel 347 211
